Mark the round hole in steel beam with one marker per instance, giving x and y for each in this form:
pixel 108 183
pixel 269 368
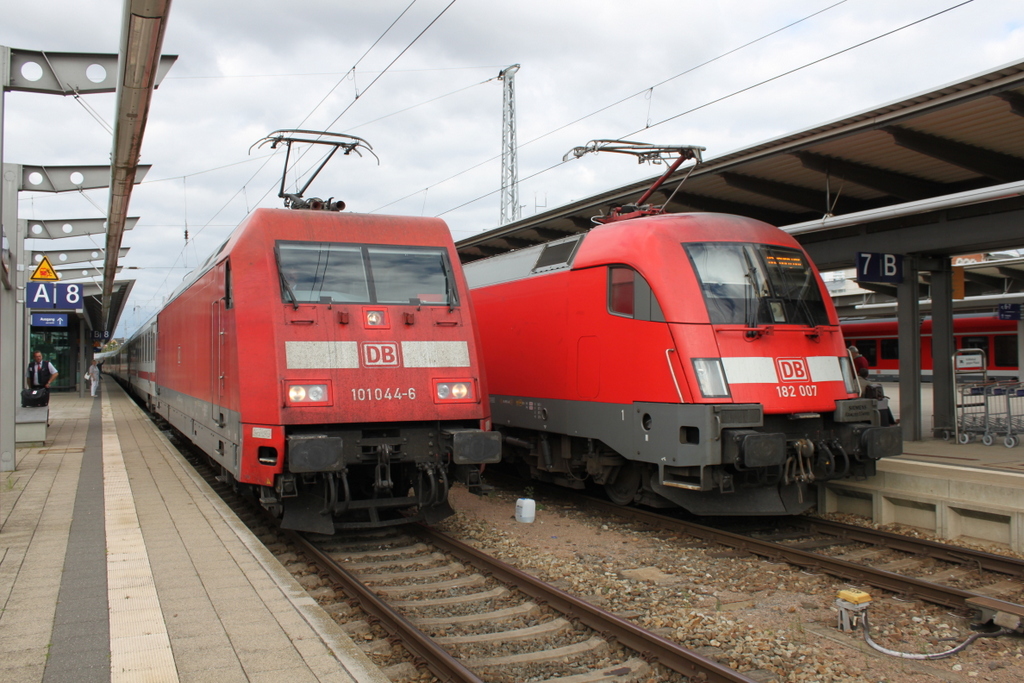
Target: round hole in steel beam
pixel 76 178
pixel 35 178
pixel 37 229
pixel 31 71
pixel 63 257
pixel 67 228
pixel 96 73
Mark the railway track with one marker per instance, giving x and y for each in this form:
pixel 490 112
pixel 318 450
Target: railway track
pixel 471 617
pixel 961 578
pixel 468 617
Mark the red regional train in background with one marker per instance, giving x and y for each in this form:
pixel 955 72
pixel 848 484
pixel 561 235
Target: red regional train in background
pixel 877 341
pixel 328 362
pixel 675 359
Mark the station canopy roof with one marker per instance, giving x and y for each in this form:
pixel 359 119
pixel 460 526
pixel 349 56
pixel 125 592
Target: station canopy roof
pixel 961 137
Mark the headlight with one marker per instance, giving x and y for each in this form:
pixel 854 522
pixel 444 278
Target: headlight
pixel 849 377
pixel 308 393
pixel 454 391
pixel 711 377
pixel 375 318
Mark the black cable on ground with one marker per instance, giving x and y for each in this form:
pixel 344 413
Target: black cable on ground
pixel 935 655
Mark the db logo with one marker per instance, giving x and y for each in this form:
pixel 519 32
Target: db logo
pixel 793 369
pixel 380 354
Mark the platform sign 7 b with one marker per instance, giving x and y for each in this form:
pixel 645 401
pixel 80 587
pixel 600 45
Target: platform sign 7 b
pixel 873 267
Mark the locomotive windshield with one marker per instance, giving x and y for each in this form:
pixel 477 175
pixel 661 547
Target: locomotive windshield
pixel 757 284
pixel 329 272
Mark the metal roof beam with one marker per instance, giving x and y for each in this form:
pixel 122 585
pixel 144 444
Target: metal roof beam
pixel 710 204
pixel 986 280
pixel 1016 102
pixel 549 234
pixel 878 288
pixel 139 63
pixel 791 194
pixel 1001 167
pixel 890 182
pixel 1011 273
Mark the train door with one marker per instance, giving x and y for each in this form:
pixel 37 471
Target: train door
pixel 222 283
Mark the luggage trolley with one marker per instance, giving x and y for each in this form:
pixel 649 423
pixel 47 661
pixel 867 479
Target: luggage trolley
pixel 971 403
pixel 1015 408
pixel 1001 399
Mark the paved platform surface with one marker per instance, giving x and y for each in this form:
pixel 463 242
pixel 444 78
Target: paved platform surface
pixel 118 563
pixel 971 455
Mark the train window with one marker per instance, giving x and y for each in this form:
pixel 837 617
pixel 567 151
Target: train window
pixel 629 295
pixel 750 284
pixel 404 275
pixel 890 349
pixel 975 343
pixel 313 270
pixel 869 349
pixel 321 272
pixel 620 290
pixel 1005 351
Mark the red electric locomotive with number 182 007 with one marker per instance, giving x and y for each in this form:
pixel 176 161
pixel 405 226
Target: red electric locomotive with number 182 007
pixel 676 359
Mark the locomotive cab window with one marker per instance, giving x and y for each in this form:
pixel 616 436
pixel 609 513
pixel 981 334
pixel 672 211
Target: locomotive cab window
pixel 323 272
pixel 757 284
pixel 630 296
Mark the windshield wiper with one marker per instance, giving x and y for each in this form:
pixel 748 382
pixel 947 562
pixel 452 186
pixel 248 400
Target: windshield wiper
pixel 284 281
pixel 751 302
pixel 449 285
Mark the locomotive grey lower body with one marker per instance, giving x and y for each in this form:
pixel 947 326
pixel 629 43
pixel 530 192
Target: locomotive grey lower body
pixel 341 476
pixel 711 459
pixel 371 475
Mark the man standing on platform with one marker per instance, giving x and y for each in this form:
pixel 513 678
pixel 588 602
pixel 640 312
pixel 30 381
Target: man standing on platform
pixel 93 375
pixel 40 373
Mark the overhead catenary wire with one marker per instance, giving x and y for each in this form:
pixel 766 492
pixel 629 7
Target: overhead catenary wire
pixel 620 101
pixel 371 84
pixel 713 101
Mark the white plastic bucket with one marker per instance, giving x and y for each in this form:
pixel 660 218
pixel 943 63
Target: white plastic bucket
pixel 526 508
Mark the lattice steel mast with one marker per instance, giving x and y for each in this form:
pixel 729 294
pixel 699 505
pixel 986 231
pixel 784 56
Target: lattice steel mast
pixel 510 210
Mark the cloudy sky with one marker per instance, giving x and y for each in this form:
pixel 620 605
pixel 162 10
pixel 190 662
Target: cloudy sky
pixel 723 74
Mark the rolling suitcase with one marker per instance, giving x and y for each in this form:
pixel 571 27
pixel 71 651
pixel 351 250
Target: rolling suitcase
pixel 35 398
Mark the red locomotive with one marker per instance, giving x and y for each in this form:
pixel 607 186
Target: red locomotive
pixel 686 359
pixel 877 342
pixel 328 362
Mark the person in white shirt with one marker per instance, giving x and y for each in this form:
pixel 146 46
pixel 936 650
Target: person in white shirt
pixel 40 374
pixel 93 375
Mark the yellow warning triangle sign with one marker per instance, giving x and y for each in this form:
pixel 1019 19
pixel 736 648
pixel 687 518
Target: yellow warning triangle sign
pixel 44 271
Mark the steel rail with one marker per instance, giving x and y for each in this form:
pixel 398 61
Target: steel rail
pixel 433 656
pixel 918 546
pixel 653 648
pixel 896 583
